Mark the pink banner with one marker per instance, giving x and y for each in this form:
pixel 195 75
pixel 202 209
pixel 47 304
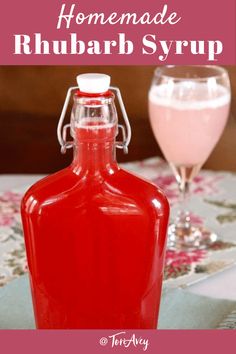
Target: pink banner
pixel 97 341
pixel 124 32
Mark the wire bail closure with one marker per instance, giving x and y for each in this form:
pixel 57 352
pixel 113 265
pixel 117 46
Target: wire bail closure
pixel 62 130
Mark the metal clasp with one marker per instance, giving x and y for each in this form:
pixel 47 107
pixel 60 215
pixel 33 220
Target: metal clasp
pixel 62 130
pixel 125 133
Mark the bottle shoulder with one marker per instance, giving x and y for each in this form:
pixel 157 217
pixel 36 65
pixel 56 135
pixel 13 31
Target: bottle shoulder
pixel 53 184
pixel 67 189
pixel 144 184
pixel 143 189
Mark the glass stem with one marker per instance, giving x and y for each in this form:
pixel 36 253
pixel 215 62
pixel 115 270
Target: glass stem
pixel 183 215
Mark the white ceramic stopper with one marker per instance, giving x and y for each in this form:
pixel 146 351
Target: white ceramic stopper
pixel 93 83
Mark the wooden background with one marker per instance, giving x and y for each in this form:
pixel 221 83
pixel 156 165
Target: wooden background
pixel 31 100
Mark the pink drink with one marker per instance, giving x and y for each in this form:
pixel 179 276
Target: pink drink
pixel 188 119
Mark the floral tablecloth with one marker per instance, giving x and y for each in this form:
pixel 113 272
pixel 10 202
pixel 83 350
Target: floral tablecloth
pixel 212 202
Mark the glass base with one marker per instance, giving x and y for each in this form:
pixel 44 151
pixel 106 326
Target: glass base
pixel 188 237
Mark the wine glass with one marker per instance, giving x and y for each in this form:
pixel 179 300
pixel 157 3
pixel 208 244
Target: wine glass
pixel 188 108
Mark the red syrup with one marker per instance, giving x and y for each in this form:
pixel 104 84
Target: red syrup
pixel 95 237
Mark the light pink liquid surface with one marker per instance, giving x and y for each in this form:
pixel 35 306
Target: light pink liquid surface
pixel 188 119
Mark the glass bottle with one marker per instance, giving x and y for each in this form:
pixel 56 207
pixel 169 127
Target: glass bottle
pixel 95 234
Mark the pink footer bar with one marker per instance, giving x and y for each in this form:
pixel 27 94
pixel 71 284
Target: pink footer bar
pixel 117 341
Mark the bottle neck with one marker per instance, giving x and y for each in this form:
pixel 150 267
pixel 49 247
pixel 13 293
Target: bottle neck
pixel 94 150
